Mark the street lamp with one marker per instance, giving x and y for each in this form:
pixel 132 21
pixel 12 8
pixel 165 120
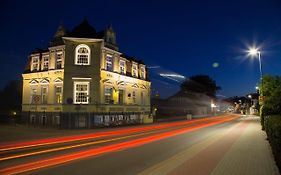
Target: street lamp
pixel 255 52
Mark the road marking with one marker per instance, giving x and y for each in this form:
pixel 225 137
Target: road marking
pixel 73 146
pixel 102 150
pixel 169 164
pixel 51 141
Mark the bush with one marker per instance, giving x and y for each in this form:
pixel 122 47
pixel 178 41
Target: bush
pixel 272 126
pixel 264 111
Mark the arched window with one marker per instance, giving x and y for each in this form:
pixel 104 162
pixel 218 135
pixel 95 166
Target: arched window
pixel 82 55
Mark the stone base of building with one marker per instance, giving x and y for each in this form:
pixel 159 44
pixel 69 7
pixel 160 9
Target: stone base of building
pixel 83 119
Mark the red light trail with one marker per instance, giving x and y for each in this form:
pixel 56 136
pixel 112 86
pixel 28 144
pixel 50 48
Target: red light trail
pixel 65 139
pixel 105 149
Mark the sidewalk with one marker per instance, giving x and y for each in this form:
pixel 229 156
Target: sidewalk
pixel 239 150
pixel 250 154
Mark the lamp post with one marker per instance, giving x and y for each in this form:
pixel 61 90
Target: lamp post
pixel 255 52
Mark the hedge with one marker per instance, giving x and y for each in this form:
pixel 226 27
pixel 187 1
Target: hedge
pixel 272 126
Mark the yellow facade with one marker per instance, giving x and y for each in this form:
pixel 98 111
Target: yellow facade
pixel 84 76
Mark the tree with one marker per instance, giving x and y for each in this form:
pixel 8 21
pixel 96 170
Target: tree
pixel 10 96
pixel 270 84
pixel 201 84
pixel 271 89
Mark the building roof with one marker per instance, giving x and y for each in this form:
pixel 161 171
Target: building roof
pixel 130 58
pixel 57 39
pixel 84 30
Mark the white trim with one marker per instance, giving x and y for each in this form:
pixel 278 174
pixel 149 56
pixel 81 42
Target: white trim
pixel 44 81
pixel 74 91
pixel 80 78
pixel 88 54
pixel 58 80
pixel 33 82
pixel 111 50
pixel 122 61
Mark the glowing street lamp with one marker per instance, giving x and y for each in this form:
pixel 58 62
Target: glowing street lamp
pixel 255 52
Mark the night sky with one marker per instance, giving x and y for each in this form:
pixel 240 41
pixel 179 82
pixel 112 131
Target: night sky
pixel 183 37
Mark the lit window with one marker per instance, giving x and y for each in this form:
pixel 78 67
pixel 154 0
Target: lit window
pixel 81 92
pixel 108 95
pixel 142 72
pixel 45 62
pixel 121 96
pixel 134 97
pixel 109 63
pixel 33 95
pixel 58 94
pixel 142 98
pixel 122 66
pixel 35 63
pixel 134 70
pixel 44 95
pixel 82 55
pixel 59 60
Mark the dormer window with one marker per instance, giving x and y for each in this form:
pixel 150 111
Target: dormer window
pixel 35 64
pixel 59 60
pixel 142 72
pixel 82 55
pixel 134 70
pixel 122 66
pixel 45 62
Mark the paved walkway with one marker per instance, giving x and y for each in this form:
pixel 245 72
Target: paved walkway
pixel 239 150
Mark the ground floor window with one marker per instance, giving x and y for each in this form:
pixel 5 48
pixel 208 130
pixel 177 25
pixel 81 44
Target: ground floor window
pixel 121 96
pixel 134 97
pixel 142 98
pixel 108 95
pixel 44 95
pixel 58 94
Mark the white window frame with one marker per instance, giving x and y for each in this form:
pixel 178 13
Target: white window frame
pixel 111 95
pixel 142 97
pixel 59 59
pixel 108 56
pixel 85 54
pixel 75 91
pixel 44 94
pixel 122 68
pixel 37 63
pixel 45 62
pixel 142 72
pixel 134 97
pixel 33 93
pixel 124 95
pixel 135 70
pixel 58 93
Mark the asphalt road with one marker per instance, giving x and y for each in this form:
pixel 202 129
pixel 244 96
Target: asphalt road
pixel 131 150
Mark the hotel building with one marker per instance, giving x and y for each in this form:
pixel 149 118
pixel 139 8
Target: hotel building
pixel 82 80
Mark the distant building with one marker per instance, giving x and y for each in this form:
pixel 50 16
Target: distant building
pixel 182 104
pixel 82 80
